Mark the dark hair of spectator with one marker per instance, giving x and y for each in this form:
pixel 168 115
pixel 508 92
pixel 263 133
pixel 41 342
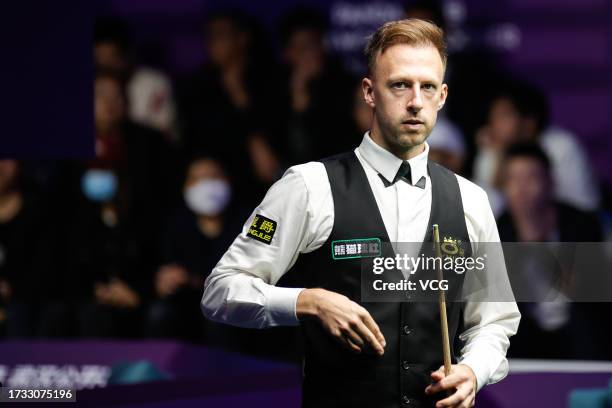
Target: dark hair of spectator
pixel 528 151
pixel 433 9
pixel 238 18
pixel 301 18
pixel 202 155
pixel 528 100
pixel 112 30
pixel 259 52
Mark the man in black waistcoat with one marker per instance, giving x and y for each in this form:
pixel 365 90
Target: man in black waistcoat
pixel 321 218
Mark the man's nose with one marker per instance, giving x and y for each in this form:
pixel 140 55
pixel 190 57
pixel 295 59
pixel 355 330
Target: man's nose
pixel 416 101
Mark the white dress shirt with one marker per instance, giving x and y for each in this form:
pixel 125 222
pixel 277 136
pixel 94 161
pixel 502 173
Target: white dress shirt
pixel 241 288
pixel 151 99
pixel 575 182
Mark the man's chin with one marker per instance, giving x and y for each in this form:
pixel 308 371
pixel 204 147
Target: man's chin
pixel 408 140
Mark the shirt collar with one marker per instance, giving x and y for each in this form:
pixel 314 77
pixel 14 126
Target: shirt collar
pixel 387 164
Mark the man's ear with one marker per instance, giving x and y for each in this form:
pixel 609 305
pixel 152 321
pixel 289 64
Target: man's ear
pixel 443 95
pixel 368 91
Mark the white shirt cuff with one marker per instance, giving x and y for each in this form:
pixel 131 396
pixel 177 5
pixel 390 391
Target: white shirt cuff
pixel 481 368
pixel 281 306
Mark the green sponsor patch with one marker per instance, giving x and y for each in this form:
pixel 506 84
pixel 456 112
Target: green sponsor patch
pixel 356 248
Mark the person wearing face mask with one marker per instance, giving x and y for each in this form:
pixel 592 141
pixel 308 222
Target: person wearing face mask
pixel 194 236
pixel 106 258
pixel 115 201
pixel 235 93
pixel 99 185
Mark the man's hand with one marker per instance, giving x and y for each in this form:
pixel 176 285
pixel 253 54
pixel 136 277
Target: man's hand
pixel 348 322
pixel 265 162
pixel 461 382
pixel 116 293
pixel 169 278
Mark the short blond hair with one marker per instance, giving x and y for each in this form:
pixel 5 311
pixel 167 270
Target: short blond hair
pixel 411 31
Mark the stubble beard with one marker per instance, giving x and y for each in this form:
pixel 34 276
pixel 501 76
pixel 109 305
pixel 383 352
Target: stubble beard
pixel 401 142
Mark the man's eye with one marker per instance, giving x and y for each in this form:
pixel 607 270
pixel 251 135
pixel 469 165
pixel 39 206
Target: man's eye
pixel 399 85
pixel 429 86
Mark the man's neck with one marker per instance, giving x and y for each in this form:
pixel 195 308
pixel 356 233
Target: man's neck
pixel 403 153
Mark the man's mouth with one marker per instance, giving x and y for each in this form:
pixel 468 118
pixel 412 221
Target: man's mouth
pixel 412 122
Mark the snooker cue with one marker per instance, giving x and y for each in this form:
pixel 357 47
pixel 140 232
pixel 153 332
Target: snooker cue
pixel 442 304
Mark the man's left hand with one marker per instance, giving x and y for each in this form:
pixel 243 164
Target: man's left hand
pixel 460 383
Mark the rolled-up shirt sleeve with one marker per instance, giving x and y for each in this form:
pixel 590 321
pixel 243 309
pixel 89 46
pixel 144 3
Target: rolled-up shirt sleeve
pixel 489 324
pixel 241 288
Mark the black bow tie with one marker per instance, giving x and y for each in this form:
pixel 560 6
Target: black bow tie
pixel 403 173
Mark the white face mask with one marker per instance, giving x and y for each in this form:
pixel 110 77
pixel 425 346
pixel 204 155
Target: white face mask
pixel 208 197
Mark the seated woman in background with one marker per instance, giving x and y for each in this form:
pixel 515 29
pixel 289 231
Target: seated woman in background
pixel 194 238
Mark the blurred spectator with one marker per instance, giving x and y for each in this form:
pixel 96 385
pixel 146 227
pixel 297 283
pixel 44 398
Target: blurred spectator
pixel 520 113
pixel 107 262
pixel 229 107
pixel 124 191
pixel 533 213
pixel 319 91
pixel 149 91
pixel 195 237
pixel 30 283
pixel 141 156
pixel 555 329
pixel 446 145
